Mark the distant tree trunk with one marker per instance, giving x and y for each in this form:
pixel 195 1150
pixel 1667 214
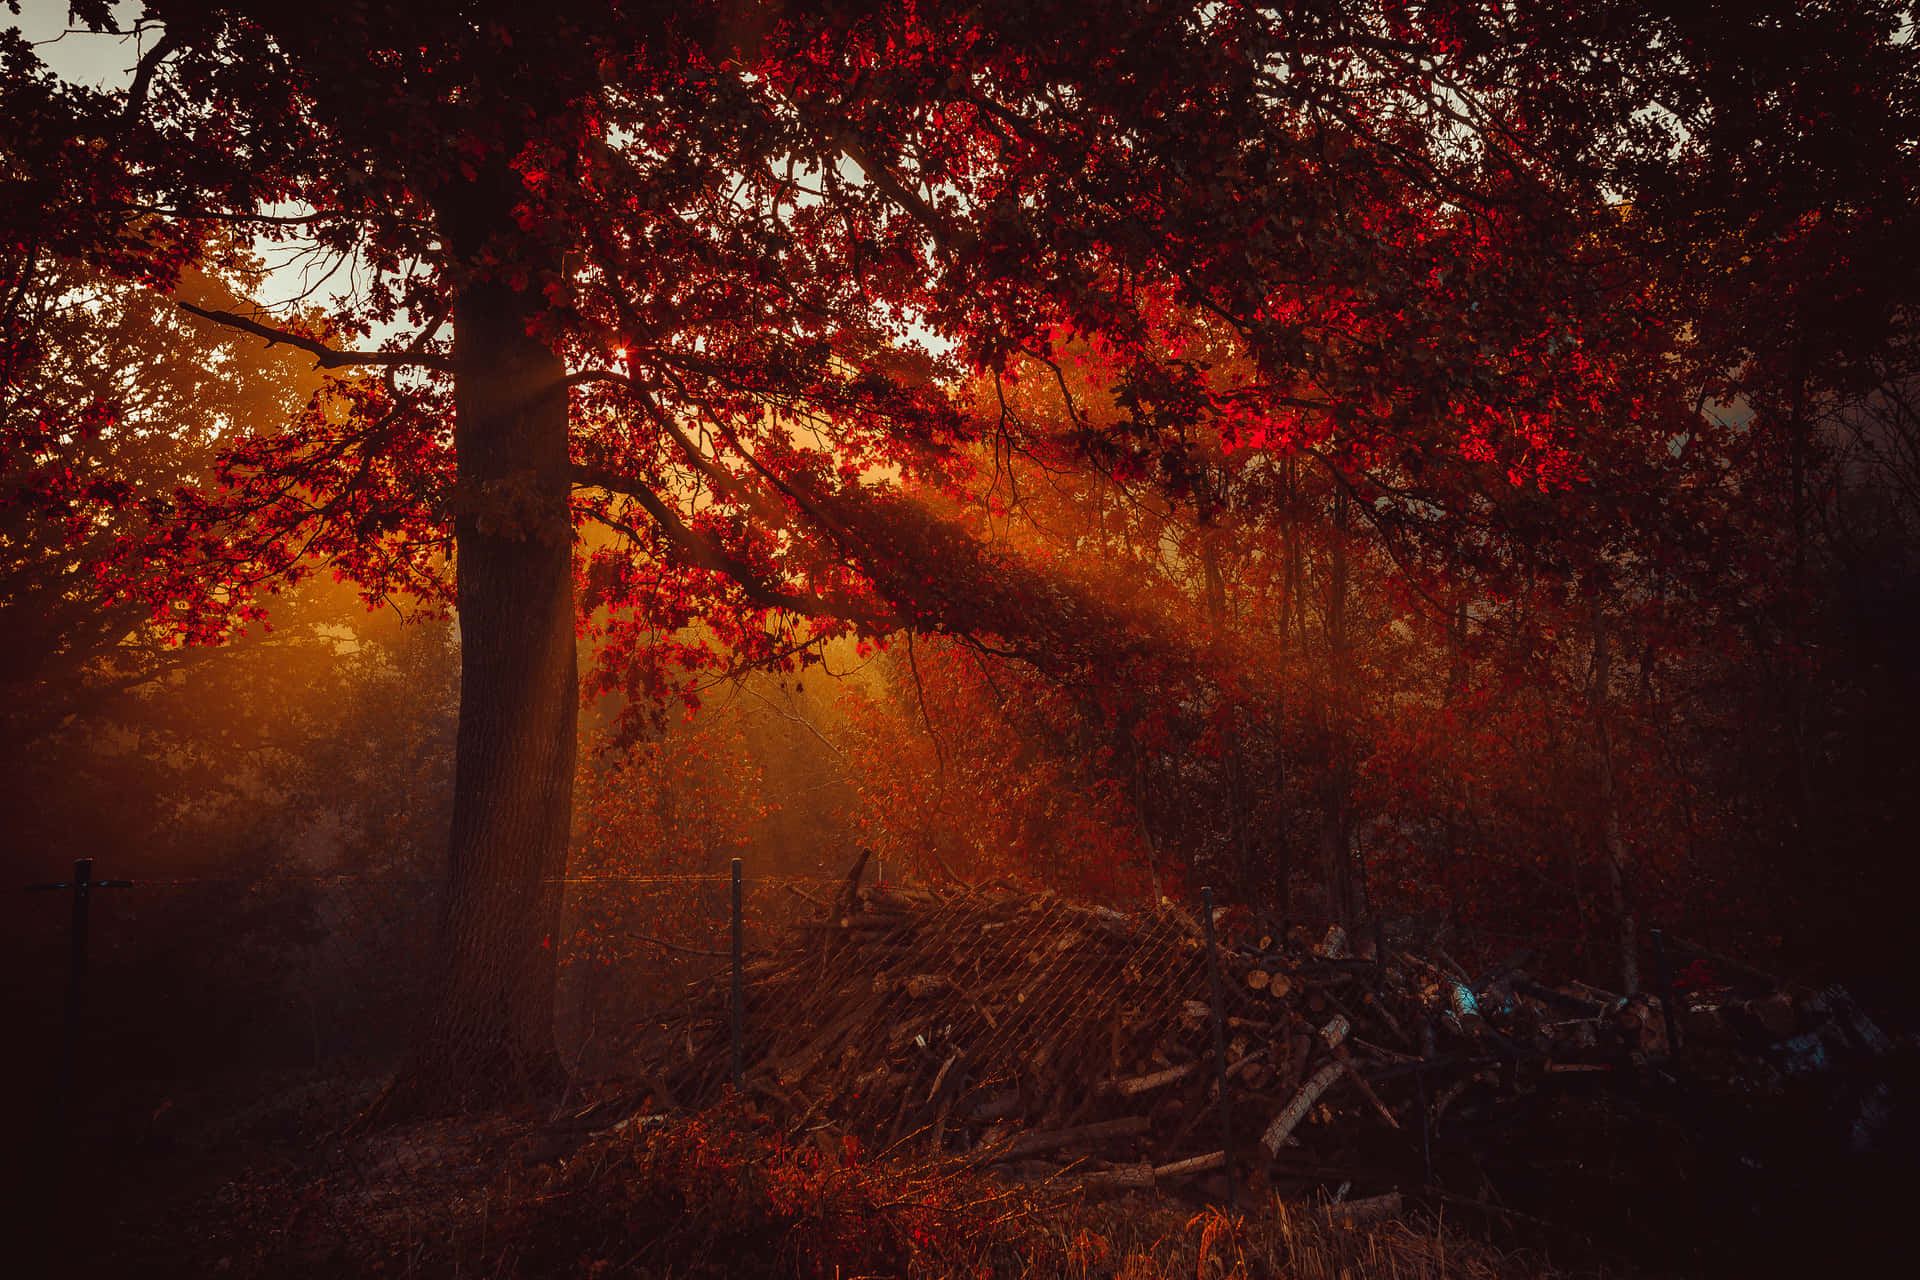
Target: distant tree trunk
pixel 489 1034
pixel 1799 454
pixel 1336 852
pixel 1336 820
pixel 1280 862
pixel 1143 797
pixel 1291 633
pixel 1610 838
pixel 1239 841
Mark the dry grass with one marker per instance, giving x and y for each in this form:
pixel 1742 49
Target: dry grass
pixel 727 1194
pixel 716 1197
pixel 1144 1241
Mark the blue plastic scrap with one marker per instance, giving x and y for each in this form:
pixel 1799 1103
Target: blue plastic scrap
pixel 1803 1053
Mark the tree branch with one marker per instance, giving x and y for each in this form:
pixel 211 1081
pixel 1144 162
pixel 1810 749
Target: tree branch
pixel 725 485
pixel 328 357
pixel 143 78
pixel 699 549
pixel 891 185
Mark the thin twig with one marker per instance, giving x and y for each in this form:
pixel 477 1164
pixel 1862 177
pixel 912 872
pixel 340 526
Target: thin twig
pixel 675 946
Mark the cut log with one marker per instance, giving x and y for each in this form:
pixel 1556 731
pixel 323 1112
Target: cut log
pixel 999 1106
pixel 1187 923
pixel 862 926
pixel 1134 1086
pixel 1030 1144
pixel 1454 966
pixel 1776 1014
pixel 899 1034
pixel 1454 1091
pixel 1381 1051
pixel 1288 1120
pixel 1127 1177
pixel 795 1069
pixel 1378 1008
pixel 874 920
pixel 1187 1168
pixel 940 1077
pixel 1299 1045
pixel 1245 1064
pixel 896 899
pixel 1340 1053
pixel 797 891
pixel 1371 1209
pixel 1559 1000
pixel 1606 998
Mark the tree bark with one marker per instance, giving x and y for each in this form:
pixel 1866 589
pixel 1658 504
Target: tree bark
pixel 1336 819
pixel 1239 841
pixel 488 1037
pixel 1610 837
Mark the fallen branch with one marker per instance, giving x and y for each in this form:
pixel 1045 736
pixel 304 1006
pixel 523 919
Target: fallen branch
pixel 1288 1120
pixel 1134 1086
pixel 1371 1209
pixel 1130 1177
pixel 1189 1167
pixel 1030 1144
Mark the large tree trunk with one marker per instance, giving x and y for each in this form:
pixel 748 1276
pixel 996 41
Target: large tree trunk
pixel 489 1035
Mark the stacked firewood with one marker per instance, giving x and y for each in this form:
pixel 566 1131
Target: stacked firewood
pixel 1053 1038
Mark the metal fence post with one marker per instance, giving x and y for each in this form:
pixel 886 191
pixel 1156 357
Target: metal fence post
pixel 1426 1124
pixel 83 884
pixel 40 1250
pixel 1219 1045
pixel 739 991
pixel 76 980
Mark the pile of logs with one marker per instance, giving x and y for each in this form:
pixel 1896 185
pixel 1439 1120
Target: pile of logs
pixel 1055 1039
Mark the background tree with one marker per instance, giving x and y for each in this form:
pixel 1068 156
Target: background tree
pixel 115 399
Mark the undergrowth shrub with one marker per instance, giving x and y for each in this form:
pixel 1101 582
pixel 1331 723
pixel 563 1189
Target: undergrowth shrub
pixel 725 1195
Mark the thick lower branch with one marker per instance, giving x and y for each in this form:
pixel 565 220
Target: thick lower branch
pixel 328 357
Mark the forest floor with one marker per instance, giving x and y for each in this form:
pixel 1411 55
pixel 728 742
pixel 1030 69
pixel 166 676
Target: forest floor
pixel 1719 1161
pixel 272 1184
pixel 280 1191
